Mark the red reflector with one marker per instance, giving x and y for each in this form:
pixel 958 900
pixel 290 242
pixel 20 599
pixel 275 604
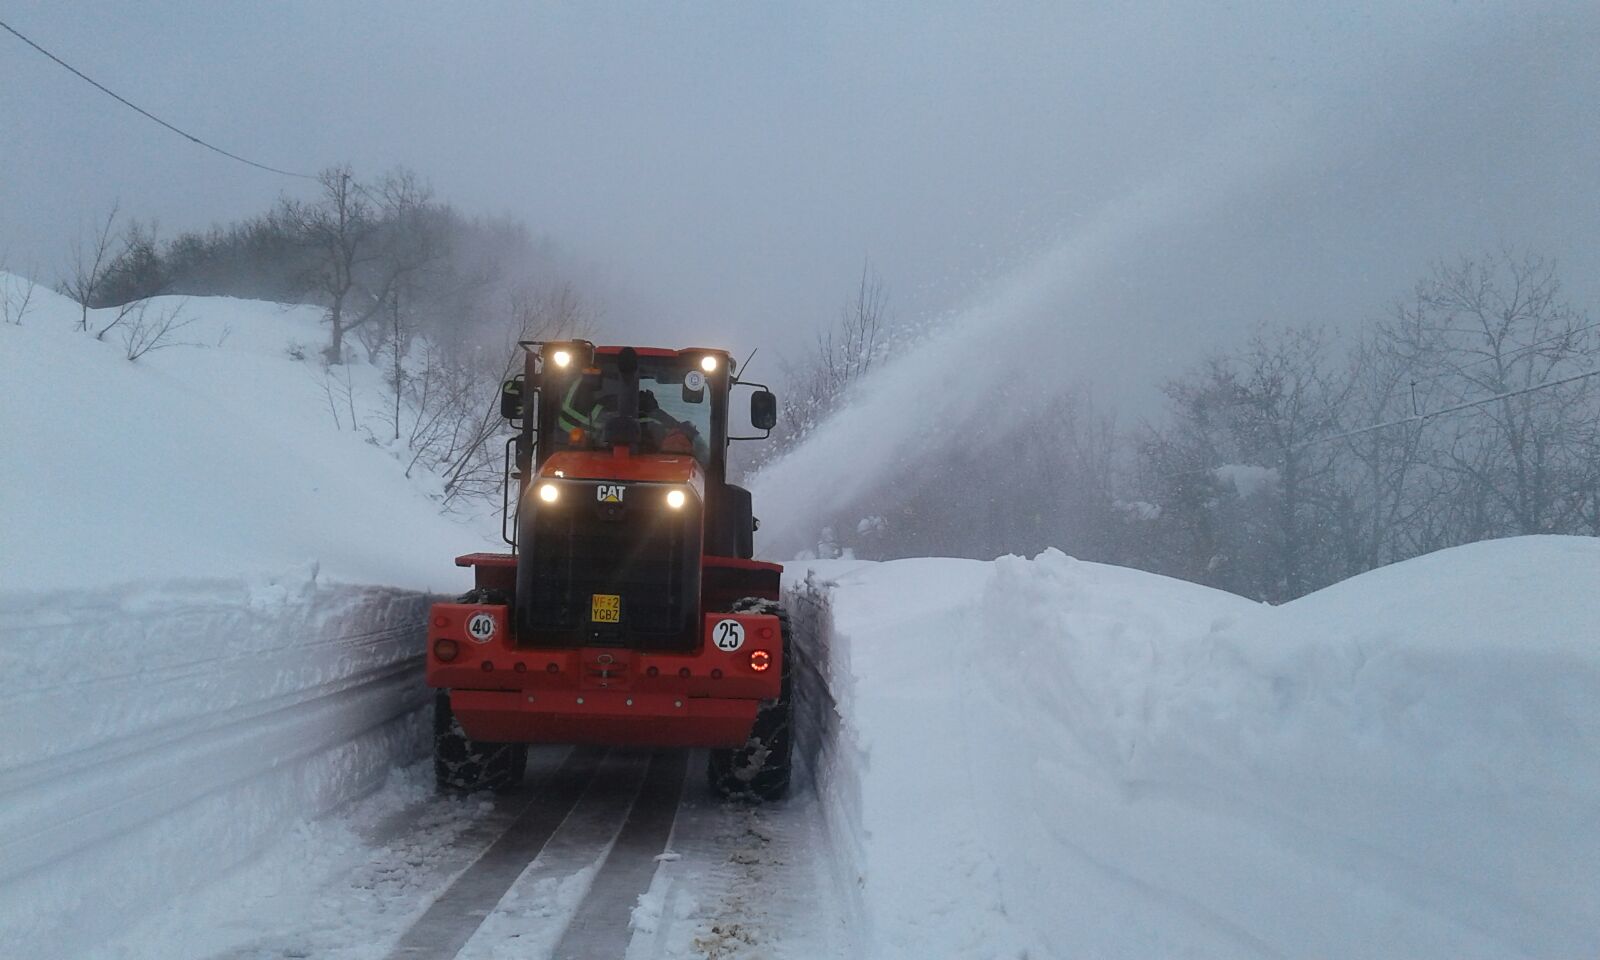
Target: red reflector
pixel 760 660
pixel 440 621
pixel 766 633
pixel 716 674
pixel 487 666
pixel 445 650
pixel 684 673
pixel 553 668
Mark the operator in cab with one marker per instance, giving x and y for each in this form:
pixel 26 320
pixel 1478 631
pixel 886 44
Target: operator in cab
pixel 585 411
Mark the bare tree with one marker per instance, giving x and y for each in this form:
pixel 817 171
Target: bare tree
pixel 1497 327
pixel 843 354
pixel 368 241
pixel 89 265
pixel 454 399
pixel 1253 503
pixel 1387 468
pixel 341 228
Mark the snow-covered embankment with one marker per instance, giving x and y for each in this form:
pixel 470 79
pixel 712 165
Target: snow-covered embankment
pixel 165 735
pixel 1053 758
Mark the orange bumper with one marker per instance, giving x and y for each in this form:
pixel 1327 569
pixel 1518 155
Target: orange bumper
pixel 605 717
pixel 604 696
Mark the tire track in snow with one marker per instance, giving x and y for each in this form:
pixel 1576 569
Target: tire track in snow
pixel 595 842
pixel 600 928
pixel 455 916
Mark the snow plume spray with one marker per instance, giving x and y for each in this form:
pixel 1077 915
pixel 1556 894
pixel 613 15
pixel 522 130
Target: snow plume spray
pixel 940 394
pixel 1062 318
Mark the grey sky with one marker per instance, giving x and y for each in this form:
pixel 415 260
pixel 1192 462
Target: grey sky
pixel 727 167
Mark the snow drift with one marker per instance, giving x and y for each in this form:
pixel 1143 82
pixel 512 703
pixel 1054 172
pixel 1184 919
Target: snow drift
pixel 1055 758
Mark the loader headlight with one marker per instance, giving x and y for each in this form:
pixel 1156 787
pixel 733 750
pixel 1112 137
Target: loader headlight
pixel 562 358
pixel 676 499
pixel 549 492
pixel 708 363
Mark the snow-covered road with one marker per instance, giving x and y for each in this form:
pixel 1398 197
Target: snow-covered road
pixel 598 854
pixel 171 790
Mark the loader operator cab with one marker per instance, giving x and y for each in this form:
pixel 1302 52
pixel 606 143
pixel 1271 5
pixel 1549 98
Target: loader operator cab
pixel 674 409
pixel 576 398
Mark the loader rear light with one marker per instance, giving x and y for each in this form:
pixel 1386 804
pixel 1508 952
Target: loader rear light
pixel 760 660
pixel 445 650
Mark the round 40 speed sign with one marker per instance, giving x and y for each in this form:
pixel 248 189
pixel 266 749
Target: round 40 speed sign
pixel 481 627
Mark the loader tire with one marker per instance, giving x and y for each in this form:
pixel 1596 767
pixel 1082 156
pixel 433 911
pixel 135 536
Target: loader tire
pixel 759 771
pixel 463 765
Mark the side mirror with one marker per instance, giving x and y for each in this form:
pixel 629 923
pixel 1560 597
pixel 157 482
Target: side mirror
pixel 511 399
pixel 763 410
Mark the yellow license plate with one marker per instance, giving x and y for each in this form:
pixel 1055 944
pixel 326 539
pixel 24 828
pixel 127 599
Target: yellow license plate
pixel 606 608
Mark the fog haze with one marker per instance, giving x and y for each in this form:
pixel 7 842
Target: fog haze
pixel 725 170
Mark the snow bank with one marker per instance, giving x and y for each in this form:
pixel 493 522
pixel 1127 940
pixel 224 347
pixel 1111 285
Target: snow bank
pixel 167 734
pixel 176 701
pixel 1055 758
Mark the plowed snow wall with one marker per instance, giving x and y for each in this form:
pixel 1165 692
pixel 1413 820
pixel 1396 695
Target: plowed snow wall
pixel 153 738
pixel 829 759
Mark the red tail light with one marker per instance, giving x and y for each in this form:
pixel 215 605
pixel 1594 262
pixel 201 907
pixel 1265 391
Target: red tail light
pixel 760 660
pixel 445 650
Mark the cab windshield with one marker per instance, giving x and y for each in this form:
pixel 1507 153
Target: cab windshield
pixel 674 407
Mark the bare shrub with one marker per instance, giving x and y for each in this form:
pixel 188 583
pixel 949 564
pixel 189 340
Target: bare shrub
pixel 16 295
pixel 453 399
pixel 146 332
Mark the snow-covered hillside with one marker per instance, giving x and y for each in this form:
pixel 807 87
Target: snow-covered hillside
pixel 1051 758
pixel 218 456
pixel 211 601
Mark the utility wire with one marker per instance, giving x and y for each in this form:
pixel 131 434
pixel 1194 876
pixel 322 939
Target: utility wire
pixel 1421 417
pixel 1416 418
pixel 133 106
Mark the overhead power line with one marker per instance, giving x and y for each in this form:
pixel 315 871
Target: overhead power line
pixel 1417 418
pixel 133 106
pixel 1421 417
